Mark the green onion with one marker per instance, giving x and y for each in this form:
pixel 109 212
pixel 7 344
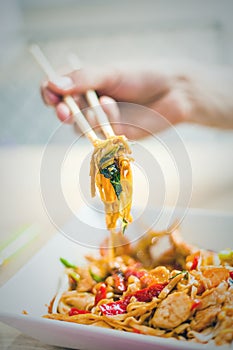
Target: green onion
pixel 74 275
pixel 66 263
pixel 96 277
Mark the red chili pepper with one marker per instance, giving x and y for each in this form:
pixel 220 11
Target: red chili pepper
pixel 120 306
pixel 231 274
pixel 101 293
pixel 195 262
pixel 196 303
pixel 119 282
pixel 74 311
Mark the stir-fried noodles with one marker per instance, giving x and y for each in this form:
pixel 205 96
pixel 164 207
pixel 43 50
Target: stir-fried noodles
pixel 111 172
pixel 184 292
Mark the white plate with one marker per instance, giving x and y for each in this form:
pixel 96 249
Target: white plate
pixel 36 283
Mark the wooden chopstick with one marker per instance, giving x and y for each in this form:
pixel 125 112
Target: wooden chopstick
pixel 94 102
pixel 75 110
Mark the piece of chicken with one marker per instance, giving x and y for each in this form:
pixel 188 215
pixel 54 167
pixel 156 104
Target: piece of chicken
pixel 172 311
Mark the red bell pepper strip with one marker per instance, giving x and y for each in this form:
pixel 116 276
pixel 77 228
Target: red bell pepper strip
pixel 120 306
pixel 119 282
pixel 195 262
pixel 133 272
pixel 196 303
pixel 101 293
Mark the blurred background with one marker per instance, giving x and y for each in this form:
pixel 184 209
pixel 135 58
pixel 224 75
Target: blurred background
pixel 102 32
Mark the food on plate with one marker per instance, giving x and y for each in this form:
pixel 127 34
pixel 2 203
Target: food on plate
pixel 181 292
pixel 110 171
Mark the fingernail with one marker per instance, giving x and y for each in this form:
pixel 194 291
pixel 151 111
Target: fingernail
pixel 63 83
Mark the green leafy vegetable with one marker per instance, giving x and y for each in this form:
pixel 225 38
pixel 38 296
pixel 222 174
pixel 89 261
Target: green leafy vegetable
pixel 112 172
pixel 108 156
pixel 66 263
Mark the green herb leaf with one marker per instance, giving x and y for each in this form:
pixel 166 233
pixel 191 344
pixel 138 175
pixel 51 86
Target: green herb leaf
pixel 66 263
pixel 112 172
pixel 184 272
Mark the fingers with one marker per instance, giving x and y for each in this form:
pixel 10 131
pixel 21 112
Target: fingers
pixel 80 81
pixel 63 113
pixel 62 85
pixel 49 97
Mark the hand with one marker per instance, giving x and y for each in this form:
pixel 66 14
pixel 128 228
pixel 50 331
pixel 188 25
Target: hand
pixel 157 90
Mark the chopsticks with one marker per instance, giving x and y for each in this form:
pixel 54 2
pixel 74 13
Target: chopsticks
pixel 91 96
pixel 93 101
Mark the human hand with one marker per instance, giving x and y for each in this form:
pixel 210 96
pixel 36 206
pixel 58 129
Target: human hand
pixel 156 89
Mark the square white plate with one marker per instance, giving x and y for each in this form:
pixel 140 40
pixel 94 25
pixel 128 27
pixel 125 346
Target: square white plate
pixel 36 283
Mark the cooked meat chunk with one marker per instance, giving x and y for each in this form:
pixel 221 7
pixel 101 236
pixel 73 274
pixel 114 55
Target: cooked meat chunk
pixel 181 247
pixel 216 275
pixel 205 318
pixel 75 299
pixel 172 311
pixel 214 296
pixel 86 281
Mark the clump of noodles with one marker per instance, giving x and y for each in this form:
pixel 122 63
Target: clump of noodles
pixel 110 171
pixel 189 297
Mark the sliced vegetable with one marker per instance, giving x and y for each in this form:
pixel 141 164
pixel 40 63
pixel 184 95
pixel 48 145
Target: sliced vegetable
pixel 195 262
pixel 74 275
pixel 66 263
pixel 108 156
pixel 96 277
pixel 196 303
pixel 119 281
pixel 135 272
pixel 147 294
pixel 101 293
pixel 112 172
pixel 124 225
pixel 143 295
pixel 184 272
pixel 74 311
pixel 115 308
